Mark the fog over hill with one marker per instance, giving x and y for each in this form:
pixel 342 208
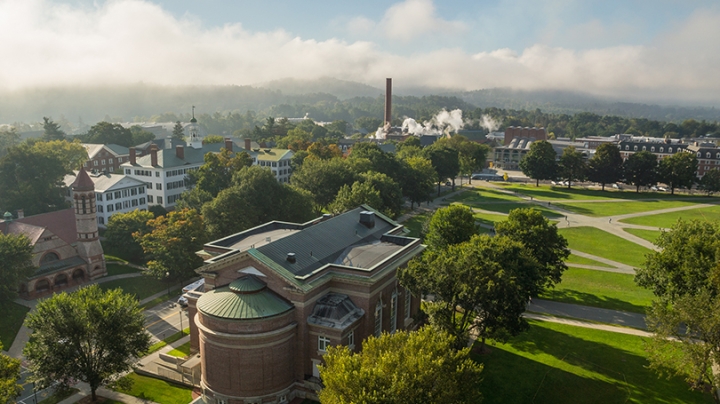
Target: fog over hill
pixel 140 102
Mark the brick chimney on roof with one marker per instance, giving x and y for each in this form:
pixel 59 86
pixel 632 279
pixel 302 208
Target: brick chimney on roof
pixel 20 213
pixel 153 155
pixel 133 160
pixel 180 151
pixel 228 145
pixel 248 146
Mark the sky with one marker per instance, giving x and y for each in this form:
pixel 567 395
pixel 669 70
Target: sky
pixel 636 50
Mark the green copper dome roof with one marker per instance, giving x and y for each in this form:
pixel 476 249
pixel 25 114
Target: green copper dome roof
pixel 244 299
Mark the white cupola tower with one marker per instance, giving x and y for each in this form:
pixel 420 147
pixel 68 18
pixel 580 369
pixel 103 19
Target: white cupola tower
pixel 88 243
pixel 196 140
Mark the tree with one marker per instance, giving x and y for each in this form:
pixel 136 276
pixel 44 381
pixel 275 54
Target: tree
pixel 16 265
pixel 541 238
pixel 640 169
pixel 685 316
pixel 539 162
pixel 90 335
pixel 120 230
pixel 319 151
pixel 217 171
pixel 8 138
pixel 9 377
pixel 31 180
pixel 678 170
pixel 389 190
pixel 51 130
pixel 417 179
pixel 178 131
pixel 482 285
pixel 361 193
pixel 710 182
pixel 172 242
pixel 471 155
pixel 572 167
pixel 324 178
pixel 72 155
pixel 450 225
pixel 380 161
pixel 405 367
pixel 445 161
pixel 209 139
pixel 140 135
pixel 605 166
pixel 109 133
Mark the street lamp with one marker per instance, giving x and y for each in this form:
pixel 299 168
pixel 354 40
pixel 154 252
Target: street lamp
pixel 167 277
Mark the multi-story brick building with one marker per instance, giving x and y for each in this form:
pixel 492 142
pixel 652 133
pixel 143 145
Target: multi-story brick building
pixel 276 296
pixel 105 157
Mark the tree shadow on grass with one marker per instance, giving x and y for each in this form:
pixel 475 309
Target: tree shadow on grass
pixel 506 207
pixel 622 375
pixel 587 299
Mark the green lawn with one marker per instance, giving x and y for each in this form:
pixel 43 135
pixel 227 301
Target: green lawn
pixel 607 290
pixel 489 218
pixel 603 244
pixel 59 396
pixel 600 209
pixel 649 235
pixel 667 220
pixel 169 340
pixel 554 193
pixel 159 391
pixel 181 351
pixel 141 286
pixel 119 269
pixel 415 223
pixel 559 364
pixel 508 206
pixel 474 197
pixel 11 320
pixel 576 259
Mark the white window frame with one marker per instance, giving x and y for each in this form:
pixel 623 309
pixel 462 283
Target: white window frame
pixel 351 340
pixel 378 318
pixel 323 343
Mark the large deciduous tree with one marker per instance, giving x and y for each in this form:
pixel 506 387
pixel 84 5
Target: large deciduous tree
pixel 10 389
pixel 389 190
pixel 72 155
pixel 451 225
pixel 417 179
pixel 678 170
pixel 90 335
pixel 685 316
pixel 640 169
pixel 324 178
pixel 217 171
pixel 483 284
pixel 120 230
pixel 445 161
pixel 710 182
pixel 404 368
pixel 109 133
pixel 15 264
pixel 572 166
pixel 350 197
pixel 172 242
pixel 541 237
pixel 540 162
pixel 605 166
pixel 9 137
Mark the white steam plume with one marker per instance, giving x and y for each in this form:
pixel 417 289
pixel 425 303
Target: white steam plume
pixel 443 122
pixel 489 123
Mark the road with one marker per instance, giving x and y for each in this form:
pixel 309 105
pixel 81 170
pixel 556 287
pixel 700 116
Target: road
pixel 161 321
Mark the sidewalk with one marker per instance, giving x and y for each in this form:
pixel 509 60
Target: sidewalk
pixel 103 392
pixel 588 313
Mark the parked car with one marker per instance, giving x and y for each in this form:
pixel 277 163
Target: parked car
pixel 616 186
pixel 448 183
pixel 663 189
pixel 182 301
pixel 653 188
pixel 198 285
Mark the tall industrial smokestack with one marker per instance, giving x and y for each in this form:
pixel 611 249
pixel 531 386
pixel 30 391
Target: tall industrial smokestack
pixel 388 102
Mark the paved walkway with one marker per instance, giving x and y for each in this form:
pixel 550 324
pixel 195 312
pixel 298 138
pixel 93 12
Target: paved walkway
pixel 587 313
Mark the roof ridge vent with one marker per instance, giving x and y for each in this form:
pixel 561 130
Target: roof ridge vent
pixel 291 258
pixel 367 219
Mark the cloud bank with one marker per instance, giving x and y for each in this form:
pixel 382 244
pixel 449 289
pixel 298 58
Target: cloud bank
pixel 131 41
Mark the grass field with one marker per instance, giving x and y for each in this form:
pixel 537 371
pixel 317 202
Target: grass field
pixel 576 259
pixel 118 269
pixel 484 195
pixel 555 193
pixel 603 244
pixel 11 320
pixel 602 209
pixel 667 220
pixel 559 364
pixel 141 286
pixel 649 235
pixel 602 289
pixel 169 340
pixel 415 223
pixel 181 351
pixel 159 391
pixel 489 218
pixel 508 206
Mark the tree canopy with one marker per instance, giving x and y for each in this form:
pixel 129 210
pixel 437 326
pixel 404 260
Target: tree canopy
pixel 405 368
pixel 89 335
pixel 685 316
pixel 120 230
pixel 109 133
pixel 640 169
pixel 539 162
pixel 605 166
pixel 350 197
pixel 572 166
pixel 324 178
pixel 417 179
pixel 710 182
pixel 9 377
pixel 450 225
pixel 678 170
pixel 445 161
pixel 51 130
pixel 16 265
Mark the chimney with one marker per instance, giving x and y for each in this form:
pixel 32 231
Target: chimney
pixel 180 151
pixel 20 213
pixel 228 145
pixel 247 144
pixel 367 219
pixel 388 100
pixel 153 155
pixel 132 156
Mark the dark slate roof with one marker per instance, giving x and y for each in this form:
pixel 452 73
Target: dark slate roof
pixel 335 310
pixel 324 242
pixel 61 223
pixel 168 157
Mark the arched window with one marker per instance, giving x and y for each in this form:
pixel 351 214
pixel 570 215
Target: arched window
pixel 49 257
pixel 84 208
pixel 393 311
pixel 669 149
pixel 378 318
pixel 635 148
pixel 627 147
pixel 652 149
pixel 717 156
pixel 644 148
pixel 662 150
pixel 707 155
pixel 699 154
